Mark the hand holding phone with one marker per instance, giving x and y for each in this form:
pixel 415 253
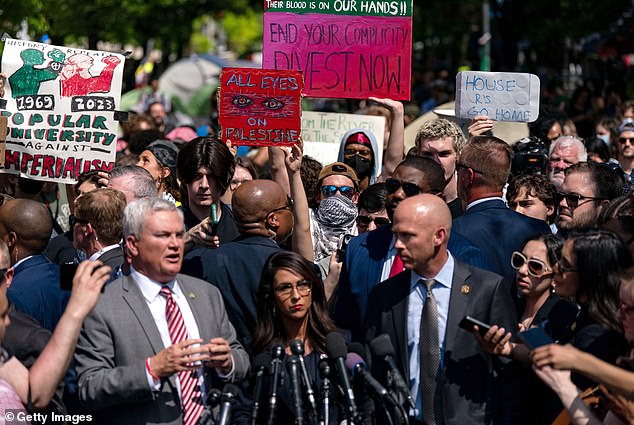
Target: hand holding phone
pixel 468 322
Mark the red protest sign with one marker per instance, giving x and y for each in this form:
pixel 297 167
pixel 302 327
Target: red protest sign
pixel 260 107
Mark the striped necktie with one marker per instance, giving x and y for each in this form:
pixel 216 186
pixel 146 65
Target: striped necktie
pixel 190 389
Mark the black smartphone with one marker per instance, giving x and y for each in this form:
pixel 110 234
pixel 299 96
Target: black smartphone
pixel 467 323
pixel 535 337
pixel 66 274
pixel 342 247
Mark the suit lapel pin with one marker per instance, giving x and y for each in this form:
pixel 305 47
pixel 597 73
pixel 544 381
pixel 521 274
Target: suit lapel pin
pixel 465 289
pixel 191 295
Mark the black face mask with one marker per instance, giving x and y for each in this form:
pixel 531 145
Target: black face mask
pixel 362 166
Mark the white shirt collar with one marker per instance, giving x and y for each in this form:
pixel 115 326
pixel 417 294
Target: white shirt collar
pixel 103 251
pixel 151 288
pixel 479 201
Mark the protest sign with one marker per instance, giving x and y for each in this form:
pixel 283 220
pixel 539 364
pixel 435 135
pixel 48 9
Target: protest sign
pixel 60 105
pixel 260 107
pixel 322 133
pixel 345 48
pixel 3 136
pixel 501 96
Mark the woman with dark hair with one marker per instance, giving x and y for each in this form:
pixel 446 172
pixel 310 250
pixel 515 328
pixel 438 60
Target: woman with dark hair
pixel 291 305
pixel 244 171
pixel 159 158
pixel 587 274
pixel 534 276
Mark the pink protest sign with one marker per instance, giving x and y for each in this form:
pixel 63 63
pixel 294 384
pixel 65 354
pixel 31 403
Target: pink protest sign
pixel 364 50
pixel 260 107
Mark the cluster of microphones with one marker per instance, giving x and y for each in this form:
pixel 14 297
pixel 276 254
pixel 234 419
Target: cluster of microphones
pixel 342 375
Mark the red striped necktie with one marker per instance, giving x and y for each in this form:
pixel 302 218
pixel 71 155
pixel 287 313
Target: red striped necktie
pixel 190 389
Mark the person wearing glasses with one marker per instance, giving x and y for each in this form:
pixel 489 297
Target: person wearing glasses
pixel 334 217
pixel 97 226
pixel 587 189
pixel 371 205
pixel 244 171
pixel 291 305
pixel 372 258
pixel 587 274
pixel 483 169
pixel 625 147
pixel 264 217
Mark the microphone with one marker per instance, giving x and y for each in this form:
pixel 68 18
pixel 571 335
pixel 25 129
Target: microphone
pixel 296 391
pixel 382 347
pixel 356 365
pixel 213 399
pixel 228 398
pixel 277 353
pixel 297 347
pixel 324 373
pixel 336 348
pixel 260 364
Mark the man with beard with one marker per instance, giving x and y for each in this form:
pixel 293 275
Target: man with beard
pixel 372 258
pixel 264 216
pixel 587 189
pixel 626 147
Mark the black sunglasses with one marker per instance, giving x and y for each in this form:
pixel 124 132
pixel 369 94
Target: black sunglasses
pixel 573 199
pixel 72 220
pixel 624 140
pixel 289 206
pixel 365 220
pixel 410 189
pixel 461 165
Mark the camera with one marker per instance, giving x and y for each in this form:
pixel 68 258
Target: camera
pixel 529 156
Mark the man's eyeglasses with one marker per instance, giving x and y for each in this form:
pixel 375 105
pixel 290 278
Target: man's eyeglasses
pixel 288 206
pixel 330 190
pixel 461 165
pixel 573 199
pixel 365 220
pixel 563 268
pixel 286 289
pixel 536 267
pixel 624 140
pixel 72 220
pixel 410 189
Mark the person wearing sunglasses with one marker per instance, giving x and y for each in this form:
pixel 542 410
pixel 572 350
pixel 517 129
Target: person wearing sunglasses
pixel 372 257
pixel 483 169
pixel 372 212
pixel 534 272
pixel 625 146
pixel 587 189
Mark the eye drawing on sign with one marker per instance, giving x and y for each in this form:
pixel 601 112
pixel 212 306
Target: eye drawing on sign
pixel 249 104
pixel 26 80
pixel 241 101
pixel 272 103
pixel 77 80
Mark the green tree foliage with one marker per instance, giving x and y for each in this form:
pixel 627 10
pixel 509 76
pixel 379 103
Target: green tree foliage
pixel 244 31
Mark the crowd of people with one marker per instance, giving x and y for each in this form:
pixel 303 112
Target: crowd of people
pixel 470 280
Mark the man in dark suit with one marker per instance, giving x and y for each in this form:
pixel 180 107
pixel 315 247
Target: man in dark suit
pixel 483 169
pixel 97 226
pixel 371 257
pixel 26 226
pixel 157 340
pixel 451 377
pixel 264 218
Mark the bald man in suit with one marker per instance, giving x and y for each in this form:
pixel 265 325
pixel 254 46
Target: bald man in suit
pixel 451 377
